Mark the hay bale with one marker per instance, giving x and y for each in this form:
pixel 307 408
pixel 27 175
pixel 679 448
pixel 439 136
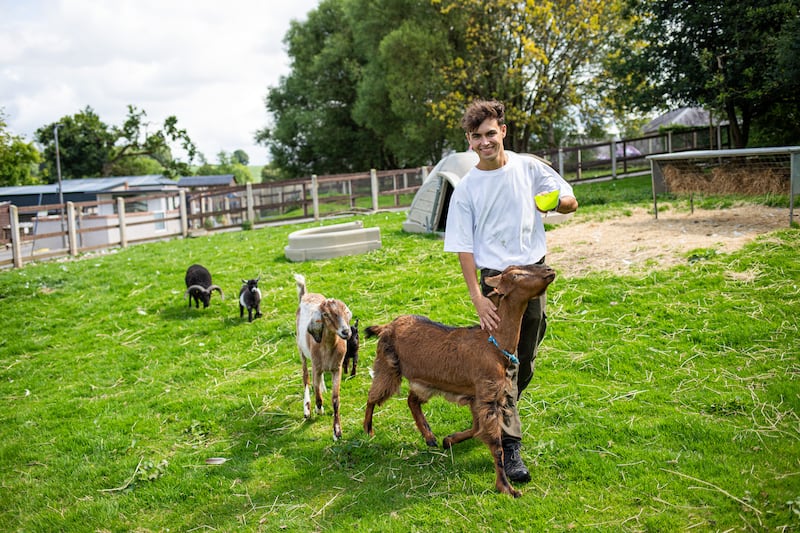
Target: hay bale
pixel 731 177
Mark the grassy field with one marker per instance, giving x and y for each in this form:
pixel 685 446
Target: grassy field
pixel 661 402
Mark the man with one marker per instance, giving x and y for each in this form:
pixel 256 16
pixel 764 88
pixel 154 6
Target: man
pixel 494 220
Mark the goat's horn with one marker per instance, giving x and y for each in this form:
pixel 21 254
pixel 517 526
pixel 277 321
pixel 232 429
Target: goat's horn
pixel 189 289
pixel 217 288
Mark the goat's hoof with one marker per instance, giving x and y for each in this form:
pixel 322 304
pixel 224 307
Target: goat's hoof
pixel 447 443
pixel 432 443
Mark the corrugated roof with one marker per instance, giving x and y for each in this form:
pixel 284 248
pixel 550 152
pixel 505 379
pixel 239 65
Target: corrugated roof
pixel 91 185
pixel 206 181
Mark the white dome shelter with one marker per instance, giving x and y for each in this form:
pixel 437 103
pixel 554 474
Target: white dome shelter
pixel 428 211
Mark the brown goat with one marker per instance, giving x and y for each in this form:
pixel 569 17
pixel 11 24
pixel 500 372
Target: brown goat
pixel 323 327
pixel 462 364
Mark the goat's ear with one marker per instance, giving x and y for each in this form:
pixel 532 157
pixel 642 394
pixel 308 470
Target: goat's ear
pixel 315 326
pixel 493 281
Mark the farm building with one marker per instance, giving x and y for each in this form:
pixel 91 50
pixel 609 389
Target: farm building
pixel 96 198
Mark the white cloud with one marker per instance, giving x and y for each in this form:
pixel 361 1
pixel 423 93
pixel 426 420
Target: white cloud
pixel 209 63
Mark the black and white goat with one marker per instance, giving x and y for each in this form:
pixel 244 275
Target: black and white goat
pixel 250 298
pixel 199 286
pixel 323 327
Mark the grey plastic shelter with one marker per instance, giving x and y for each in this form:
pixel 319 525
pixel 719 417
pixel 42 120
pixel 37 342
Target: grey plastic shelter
pixel 428 211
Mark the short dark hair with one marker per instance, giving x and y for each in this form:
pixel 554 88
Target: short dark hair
pixel 480 110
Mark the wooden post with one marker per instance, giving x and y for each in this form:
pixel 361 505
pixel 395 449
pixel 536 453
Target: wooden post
pixel 315 195
pixel 123 237
pixel 613 148
pixel 373 176
pixel 794 182
pixel 73 241
pixel 184 214
pixel 251 208
pixel 16 248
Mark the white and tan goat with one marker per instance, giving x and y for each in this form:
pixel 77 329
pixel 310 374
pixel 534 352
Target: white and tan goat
pixel 465 365
pixel 323 327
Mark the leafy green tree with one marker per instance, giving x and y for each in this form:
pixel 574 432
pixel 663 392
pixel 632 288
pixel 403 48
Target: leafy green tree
pixel 88 147
pixel 241 157
pixel 228 164
pixel 405 43
pixel 272 172
pixel 383 84
pixel 538 58
pixel 135 140
pixel 314 131
pixel 736 58
pixel 84 143
pixel 17 157
pixel 136 166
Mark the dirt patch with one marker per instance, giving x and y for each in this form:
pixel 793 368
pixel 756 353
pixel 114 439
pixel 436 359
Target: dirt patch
pixel 640 243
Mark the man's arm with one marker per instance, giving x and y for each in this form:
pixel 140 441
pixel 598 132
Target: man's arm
pixel 567 204
pixel 483 305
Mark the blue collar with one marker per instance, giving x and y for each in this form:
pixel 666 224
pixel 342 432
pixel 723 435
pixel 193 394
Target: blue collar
pixel 511 356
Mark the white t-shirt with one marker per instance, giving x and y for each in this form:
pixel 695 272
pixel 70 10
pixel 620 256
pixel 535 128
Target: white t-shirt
pixel 492 213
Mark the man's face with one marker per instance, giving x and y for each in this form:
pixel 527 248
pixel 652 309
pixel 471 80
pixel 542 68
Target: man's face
pixel 487 142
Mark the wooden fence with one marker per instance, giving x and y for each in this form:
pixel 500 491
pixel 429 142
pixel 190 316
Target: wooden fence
pixel 626 157
pixel 47 231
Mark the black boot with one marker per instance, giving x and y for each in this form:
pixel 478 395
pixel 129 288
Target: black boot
pixel 512 462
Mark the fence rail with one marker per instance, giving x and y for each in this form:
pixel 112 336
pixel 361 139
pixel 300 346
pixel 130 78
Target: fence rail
pixel 627 157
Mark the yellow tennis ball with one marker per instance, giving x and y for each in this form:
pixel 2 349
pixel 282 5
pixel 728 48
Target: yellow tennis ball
pixel 547 201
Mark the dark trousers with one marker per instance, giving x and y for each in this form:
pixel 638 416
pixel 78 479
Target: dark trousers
pixel 534 325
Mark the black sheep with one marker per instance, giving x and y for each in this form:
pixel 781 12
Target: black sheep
pixel 199 286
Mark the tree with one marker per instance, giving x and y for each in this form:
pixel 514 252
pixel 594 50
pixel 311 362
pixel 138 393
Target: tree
pixel 135 140
pixel 384 84
pixel 84 142
pixel 395 94
pixel 314 131
pixel 228 164
pixel 241 157
pixel 736 58
pixel 90 148
pixel 538 58
pixel 17 157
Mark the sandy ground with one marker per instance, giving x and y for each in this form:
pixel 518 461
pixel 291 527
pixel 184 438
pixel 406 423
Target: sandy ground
pixel 639 243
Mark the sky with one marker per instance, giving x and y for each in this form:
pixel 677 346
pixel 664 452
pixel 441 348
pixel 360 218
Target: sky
pixel 209 63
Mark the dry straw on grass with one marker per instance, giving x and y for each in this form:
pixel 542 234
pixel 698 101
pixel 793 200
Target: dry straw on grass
pixel 749 179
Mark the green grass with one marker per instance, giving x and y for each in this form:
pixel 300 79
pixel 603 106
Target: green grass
pixel 665 401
